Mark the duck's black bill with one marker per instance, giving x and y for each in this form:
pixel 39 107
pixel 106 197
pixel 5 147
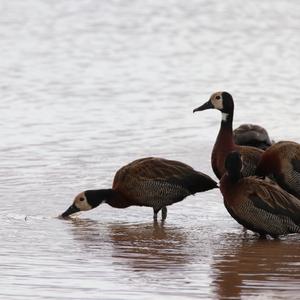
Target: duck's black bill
pixel 71 210
pixel 205 106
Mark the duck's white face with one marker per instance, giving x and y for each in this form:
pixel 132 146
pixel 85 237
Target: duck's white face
pixel 81 203
pixel 217 100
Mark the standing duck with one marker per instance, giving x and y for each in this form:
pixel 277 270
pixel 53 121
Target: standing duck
pixel 252 135
pixel 153 182
pixel 225 143
pixel 258 205
pixel 282 161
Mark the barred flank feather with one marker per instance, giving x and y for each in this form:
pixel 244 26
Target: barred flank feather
pixel 263 221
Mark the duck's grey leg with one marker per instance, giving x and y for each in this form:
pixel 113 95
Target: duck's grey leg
pixel 164 213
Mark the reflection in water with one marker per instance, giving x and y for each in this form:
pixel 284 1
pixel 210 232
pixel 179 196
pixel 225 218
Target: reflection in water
pixel 137 246
pixel 149 246
pixel 244 267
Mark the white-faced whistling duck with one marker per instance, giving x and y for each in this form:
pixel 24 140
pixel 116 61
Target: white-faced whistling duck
pixel 282 161
pixel 152 182
pixel 258 205
pixel 224 143
pixel 252 135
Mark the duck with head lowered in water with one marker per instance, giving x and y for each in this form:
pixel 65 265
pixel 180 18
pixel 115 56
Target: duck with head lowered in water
pixel 224 144
pixel 151 181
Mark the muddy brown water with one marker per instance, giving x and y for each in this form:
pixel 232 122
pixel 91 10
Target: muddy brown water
pixel 88 86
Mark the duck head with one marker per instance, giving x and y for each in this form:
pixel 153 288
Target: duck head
pixel 221 101
pixel 87 200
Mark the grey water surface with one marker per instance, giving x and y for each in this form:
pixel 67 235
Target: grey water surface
pixel 87 86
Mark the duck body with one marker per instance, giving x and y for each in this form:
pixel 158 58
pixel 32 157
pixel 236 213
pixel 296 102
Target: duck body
pixel 282 161
pixel 225 142
pixel 158 182
pixel 152 182
pixel 258 205
pixel 252 135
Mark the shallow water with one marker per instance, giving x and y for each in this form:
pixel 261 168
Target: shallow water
pixel 88 86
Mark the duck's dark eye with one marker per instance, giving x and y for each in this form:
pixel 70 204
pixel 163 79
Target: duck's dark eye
pixel 81 198
pixel 218 97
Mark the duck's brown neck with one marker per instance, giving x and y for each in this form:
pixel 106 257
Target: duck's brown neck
pixel 225 136
pixel 224 145
pixel 110 196
pixel 118 200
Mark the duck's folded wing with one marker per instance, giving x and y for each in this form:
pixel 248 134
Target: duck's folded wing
pixel 163 176
pixel 178 174
pixel 275 200
pixel 152 168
